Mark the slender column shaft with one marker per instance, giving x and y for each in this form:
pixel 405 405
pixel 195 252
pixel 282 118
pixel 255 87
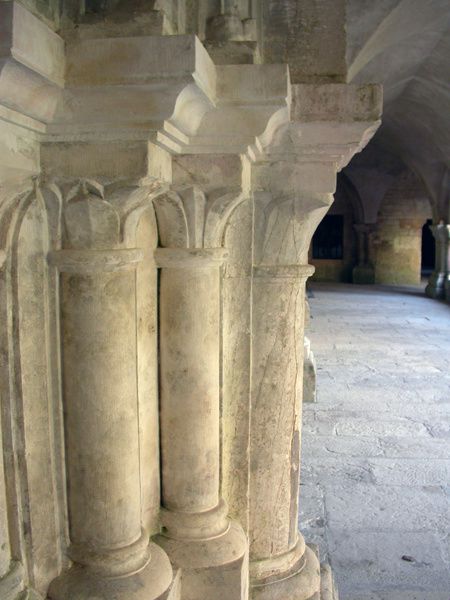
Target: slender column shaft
pixel 437 282
pixel 190 387
pixel 197 535
pixel 98 327
pixel 100 397
pixel 189 327
pixel 278 330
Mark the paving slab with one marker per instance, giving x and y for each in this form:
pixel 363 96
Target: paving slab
pixel 376 445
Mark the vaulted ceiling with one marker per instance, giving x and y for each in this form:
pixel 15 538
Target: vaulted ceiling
pixel 405 44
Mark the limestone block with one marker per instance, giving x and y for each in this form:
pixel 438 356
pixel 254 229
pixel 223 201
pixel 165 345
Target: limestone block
pixel 166 88
pixel 19 150
pixel 32 70
pixel 317 50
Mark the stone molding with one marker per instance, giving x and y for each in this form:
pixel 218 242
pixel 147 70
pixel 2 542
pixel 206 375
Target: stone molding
pixel 283 271
pixel 31 69
pixel 190 258
pixel 95 261
pixel 28 303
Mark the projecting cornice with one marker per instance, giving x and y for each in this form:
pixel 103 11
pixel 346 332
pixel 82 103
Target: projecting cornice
pixel 32 66
pixel 327 123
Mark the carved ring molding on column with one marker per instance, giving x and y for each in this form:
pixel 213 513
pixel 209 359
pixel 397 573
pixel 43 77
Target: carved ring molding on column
pixel 284 271
pixel 192 258
pixel 95 261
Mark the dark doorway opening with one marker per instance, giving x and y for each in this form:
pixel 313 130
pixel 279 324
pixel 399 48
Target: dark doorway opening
pixel 328 240
pixel 428 250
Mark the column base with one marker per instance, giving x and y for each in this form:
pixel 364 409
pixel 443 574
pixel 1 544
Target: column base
pixel 327 588
pixel 300 582
pixel 211 568
pixel 436 286
pixel 153 582
pixel 363 275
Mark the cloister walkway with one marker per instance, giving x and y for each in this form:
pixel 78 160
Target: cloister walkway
pixel 375 482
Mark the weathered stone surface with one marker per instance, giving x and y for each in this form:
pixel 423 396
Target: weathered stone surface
pixel 135 404
pixel 382 487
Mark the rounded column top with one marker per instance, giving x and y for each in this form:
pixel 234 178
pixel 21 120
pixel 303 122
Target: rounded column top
pixel 88 261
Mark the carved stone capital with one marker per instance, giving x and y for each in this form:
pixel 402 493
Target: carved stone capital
pixel 103 214
pixel 190 218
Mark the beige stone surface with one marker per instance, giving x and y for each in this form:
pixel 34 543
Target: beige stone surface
pixel 375 463
pixel 156 211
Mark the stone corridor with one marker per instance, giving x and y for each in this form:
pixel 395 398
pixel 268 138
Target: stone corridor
pixel 375 485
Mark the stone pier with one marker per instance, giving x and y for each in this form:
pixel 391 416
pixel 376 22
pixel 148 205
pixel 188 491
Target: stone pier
pixel 156 209
pixel 438 285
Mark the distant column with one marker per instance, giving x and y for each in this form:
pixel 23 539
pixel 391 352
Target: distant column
pixel 438 284
pixel 363 272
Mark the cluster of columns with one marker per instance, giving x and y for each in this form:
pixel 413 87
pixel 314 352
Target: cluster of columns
pixel 136 257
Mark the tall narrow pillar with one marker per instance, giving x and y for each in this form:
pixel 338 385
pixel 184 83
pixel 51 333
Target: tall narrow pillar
pixel 293 179
pixel 111 554
pixel 436 287
pixel 363 272
pixel 447 254
pixel 197 534
pixel 278 552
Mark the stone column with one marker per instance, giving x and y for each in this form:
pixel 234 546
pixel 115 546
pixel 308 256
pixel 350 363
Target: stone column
pixel 277 550
pixel 363 272
pixel 110 550
pixel 197 535
pixel 293 179
pixel 437 285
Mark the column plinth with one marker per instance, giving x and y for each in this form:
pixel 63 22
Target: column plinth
pixel 111 553
pixel 281 566
pixel 197 534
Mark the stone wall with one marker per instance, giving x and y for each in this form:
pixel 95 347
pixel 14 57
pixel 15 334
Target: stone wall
pixel 398 239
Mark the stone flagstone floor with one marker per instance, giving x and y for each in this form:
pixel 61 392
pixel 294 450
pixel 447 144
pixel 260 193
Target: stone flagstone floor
pixel 375 491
